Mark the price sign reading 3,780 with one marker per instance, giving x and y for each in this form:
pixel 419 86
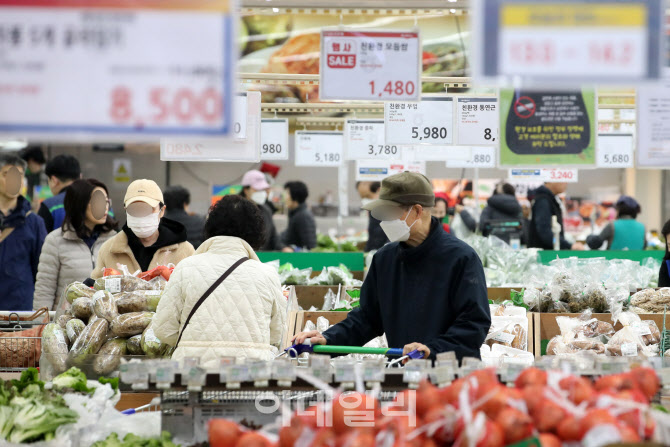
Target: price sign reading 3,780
pixel 370 65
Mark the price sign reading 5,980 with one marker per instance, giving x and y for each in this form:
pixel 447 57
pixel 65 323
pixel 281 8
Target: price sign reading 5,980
pixel 318 148
pixel 370 65
pixel 429 121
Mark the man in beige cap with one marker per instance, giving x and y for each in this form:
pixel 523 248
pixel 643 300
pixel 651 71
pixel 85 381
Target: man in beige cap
pixel 148 239
pixel 425 290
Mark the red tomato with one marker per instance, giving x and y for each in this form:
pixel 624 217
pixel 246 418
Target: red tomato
pixel 628 435
pixel 579 389
pixel 426 398
pixel 641 423
pixel 253 439
pixel 615 382
pixel 549 440
pixel 531 376
pixel 357 438
pixel 595 417
pixel 515 424
pixel 449 394
pixel 647 381
pixel 111 272
pixel 482 381
pixel 569 429
pixel 353 408
pixel 289 435
pixel 493 402
pixel 223 433
pixel 547 415
pixel 324 438
pixel 492 436
pixel 444 434
pixel 533 395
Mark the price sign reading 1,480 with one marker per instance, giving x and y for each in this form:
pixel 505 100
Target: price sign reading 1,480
pixel 429 121
pixel 318 148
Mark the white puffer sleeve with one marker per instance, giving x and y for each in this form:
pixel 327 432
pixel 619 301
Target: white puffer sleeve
pixel 48 270
pixel 166 322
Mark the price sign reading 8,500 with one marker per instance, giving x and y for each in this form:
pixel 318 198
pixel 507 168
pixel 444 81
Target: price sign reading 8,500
pixel 274 139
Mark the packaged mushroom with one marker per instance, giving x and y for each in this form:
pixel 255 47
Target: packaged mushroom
pixel 578 335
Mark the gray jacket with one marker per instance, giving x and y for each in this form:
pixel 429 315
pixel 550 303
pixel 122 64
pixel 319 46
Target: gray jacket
pixel 65 259
pixel 301 230
pixel 499 207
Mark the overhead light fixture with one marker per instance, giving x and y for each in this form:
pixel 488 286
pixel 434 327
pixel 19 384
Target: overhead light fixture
pixel 275 9
pixel 13 145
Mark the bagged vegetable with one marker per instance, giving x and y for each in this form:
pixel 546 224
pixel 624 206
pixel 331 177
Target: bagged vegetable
pixel 650 300
pixel 55 347
pixel 62 320
pixel 573 337
pixel 628 342
pixel 130 324
pixel 134 345
pixel 151 345
pixel 77 290
pixel 138 301
pixel 73 329
pixel 89 342
pixel 82 308
pixel 109 356
pixel 121 283
pixel 508 331
pixel 104 305
pixel 295 277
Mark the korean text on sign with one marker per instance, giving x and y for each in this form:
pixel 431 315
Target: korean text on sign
pixel 370 65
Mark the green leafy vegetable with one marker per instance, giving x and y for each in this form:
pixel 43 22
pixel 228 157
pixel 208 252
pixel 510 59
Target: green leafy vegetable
pixel 517 298
pixel 28 377
pixel 73 378
pixel 131 440
pixel 113 381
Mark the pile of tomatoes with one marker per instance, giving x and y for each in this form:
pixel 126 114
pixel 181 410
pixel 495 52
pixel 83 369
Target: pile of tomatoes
pixel 475 411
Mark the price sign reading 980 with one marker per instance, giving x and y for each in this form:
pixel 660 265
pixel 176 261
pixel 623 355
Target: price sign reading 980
pixel 318 148
pixel 370 65
pixel 274 139
pixel 429 121
pixel 365 140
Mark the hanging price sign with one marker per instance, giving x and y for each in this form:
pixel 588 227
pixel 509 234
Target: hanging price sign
pixel 429 121
pixel 274 139
pixel 615 151
pixel 376 171
pixel 139 84
pixel 370 65
pixel 544 175
pixel 480 157
pixel 240 117
pixel 318 148
pixel 365 140
pixel 552 42
pixel 477 121
pixel 220 149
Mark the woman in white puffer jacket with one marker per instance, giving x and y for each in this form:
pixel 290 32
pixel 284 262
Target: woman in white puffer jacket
pixel 245 314
pixel 69 253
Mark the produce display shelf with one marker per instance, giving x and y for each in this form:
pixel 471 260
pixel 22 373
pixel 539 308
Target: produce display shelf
pixel 547 256
pixel 317 261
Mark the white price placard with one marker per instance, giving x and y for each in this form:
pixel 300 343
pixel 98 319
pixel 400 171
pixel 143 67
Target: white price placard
pixel 274 139
pixel 314 148
pixel 544 175
pixel 479 157
pixel 429 121
pixel 653 132
pixel 115 71
pixel 477 121
pixel 553 42
pixel 615 151
pixel 365 140
pixel 220 149
pixel 240 117
pixel 437 153
pixel 378 170
pixel 370 65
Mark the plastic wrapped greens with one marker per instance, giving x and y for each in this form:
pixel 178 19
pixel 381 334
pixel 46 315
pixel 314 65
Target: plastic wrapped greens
pixel 295 277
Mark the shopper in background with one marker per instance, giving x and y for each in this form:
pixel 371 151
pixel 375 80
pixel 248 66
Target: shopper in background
pixel 369 191
pixel 625 233
pixel 34 157
pixel 545 205
pixel 223 301
pixel 22 234
pixel 441 210
pixel 255 188
pixel 177 200
pixel 301 231
pixel 502 205
pixel 148 238
pixel 426 289
pixel 61 170
pixel 663 276
pixel 70 252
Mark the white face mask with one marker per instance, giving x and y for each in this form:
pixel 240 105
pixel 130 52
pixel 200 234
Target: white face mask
pixel 259 197
pixel 396 230
pixel 366 201
pixel 144 227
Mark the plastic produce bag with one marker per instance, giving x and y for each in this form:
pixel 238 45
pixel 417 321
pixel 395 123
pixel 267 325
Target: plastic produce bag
pixel 104 305
pixel 295 277
pixel 628 342
pixel 329 300
pixel 508 331
pixel 138 301
pixel 573 337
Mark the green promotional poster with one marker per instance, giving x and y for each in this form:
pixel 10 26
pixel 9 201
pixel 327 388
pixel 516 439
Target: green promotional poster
pixel 548 128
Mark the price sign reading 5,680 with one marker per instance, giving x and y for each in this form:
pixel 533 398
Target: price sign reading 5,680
pixel 429 121
pixel 370 65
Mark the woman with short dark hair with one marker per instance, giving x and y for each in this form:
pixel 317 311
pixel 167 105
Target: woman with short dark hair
pixel 69 253
pixel 625 233
pixel 223 301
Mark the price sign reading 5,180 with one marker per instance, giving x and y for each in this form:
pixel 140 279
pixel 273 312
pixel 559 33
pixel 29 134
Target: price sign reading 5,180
pixel 615 151
pixel 429 121
pixel 318 148
pixel 370 65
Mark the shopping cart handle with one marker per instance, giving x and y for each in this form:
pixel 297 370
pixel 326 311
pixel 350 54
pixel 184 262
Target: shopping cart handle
pixel 129 411
pixel 295 350
pixel 416 354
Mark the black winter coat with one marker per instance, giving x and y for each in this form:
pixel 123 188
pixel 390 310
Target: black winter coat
pixel 545 205
pixel 500 207
pixel 301 230
pixel 434 294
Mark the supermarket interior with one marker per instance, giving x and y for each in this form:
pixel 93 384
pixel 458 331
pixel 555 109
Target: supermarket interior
pixel 334 223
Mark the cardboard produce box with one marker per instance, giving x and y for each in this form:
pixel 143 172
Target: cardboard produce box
pixel 545 326
pixel 309 296
pixel 302 317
